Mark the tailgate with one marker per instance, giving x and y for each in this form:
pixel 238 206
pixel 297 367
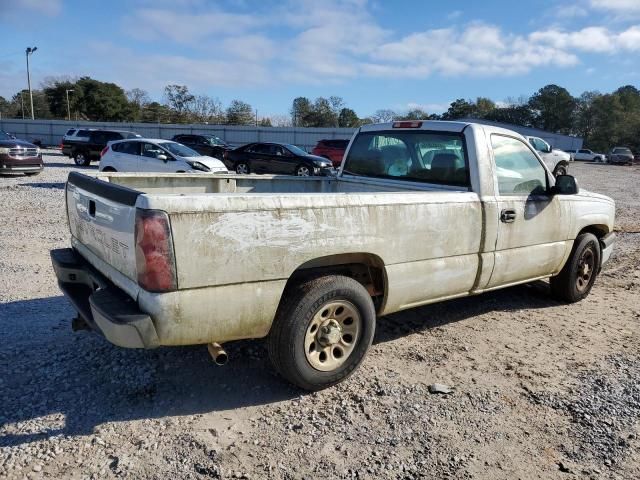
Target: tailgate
pixel 102 218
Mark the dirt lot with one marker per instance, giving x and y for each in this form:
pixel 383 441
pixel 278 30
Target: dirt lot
pixel 542 390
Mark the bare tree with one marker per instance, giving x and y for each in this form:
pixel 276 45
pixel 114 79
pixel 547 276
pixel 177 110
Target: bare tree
pixel 384 115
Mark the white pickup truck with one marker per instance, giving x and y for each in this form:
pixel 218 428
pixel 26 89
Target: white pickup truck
pixel 419 212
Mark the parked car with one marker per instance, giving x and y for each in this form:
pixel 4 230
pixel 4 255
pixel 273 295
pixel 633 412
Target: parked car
pixel 620 155
pixel 636 157
pixel 587 155
pixel 556 160
pixel 152 155
pixel 276 158
pixel 19 156
pixel 310 263
pixel 331 149
pixel 209 145
pixel 86 145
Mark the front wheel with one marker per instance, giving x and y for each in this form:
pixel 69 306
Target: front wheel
pixel 322 331
pixel 303 171
pixel 575 280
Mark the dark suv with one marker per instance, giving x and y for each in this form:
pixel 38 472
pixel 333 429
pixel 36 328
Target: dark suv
pixel 209 145
pixel 86 145
pixel 18 156
pixel 331 149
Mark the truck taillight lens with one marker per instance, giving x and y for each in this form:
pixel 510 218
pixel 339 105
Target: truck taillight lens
pixel 155 261
pixel 104 150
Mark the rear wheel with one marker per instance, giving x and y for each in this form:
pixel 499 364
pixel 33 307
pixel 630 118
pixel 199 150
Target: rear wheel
pixel 303 171
pixel 109 169
pixel 575 280
pixel 81 158
pixel 242 168
pixel 322 331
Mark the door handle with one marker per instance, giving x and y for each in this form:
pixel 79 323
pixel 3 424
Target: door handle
pixel 508 215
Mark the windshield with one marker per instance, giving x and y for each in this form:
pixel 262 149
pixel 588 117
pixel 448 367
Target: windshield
pixel 213 140
pixel 430 157
pixel 622 150
pixel 179 149
pixel 296 150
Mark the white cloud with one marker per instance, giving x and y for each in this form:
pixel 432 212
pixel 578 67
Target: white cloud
pixel 13 8
pixel 590 39
pixel 619 6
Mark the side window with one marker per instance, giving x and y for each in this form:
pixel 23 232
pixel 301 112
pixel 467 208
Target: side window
pixel 98 138
pixel 277 150
pixel 113 136
pixel 518 170
pixel 130 148
pixel 583 151
pixel 152 151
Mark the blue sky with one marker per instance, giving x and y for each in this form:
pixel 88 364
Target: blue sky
pixel 373 53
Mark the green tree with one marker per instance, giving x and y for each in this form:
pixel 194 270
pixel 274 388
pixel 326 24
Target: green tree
pixel 240 113
pixel 55 90
pixel 553 108
pixel 138 99
pixel 483 107
pixel 265 122
pixel 322 114
pixel 155 112
pixel 513 114
pixel 348 118
pixel 301 110
pixel 100 101
pixel 459 108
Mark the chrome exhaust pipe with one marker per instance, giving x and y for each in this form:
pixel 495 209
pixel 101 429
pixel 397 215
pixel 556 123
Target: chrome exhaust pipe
pixel 218 354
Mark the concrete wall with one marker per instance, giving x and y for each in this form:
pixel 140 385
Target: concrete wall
pixel 50 132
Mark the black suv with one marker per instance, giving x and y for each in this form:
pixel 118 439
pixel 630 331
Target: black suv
pixel 86 145
pixel 209 145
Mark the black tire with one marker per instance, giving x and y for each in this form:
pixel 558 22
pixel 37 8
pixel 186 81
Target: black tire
pixel 560 170
pixel 81 158
pixel 573 284
pixel 109 169
pixel 299 307
pixel 303 170
pixel 32 174
pixel 241 168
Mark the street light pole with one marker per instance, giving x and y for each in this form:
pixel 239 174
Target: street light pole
pixel 29 51
pixel 69 108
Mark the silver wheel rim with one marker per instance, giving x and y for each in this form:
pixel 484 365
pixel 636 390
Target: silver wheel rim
pixel 332 335
pixel 303 171
pixel 241 168
pixel 586 267
pixel 80 158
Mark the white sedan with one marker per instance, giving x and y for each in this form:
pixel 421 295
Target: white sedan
pixel 155 155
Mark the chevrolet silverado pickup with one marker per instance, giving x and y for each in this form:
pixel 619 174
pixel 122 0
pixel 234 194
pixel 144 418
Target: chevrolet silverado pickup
pixel 419 212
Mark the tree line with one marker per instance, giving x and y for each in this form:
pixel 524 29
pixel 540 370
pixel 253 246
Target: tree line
pixel 603 120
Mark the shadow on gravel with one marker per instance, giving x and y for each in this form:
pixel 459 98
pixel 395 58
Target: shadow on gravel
pixel 70 164
pixel 530 296
pixel 56 382
pixel 55 185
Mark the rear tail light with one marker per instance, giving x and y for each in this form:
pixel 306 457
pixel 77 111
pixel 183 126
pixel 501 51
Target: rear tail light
pixel 407 124
pixel 155 260
pixel 61 145
pixel 104 150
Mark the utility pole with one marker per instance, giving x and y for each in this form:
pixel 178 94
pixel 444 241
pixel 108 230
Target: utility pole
pixel 69 108
pixel 256 117
pixel 29 51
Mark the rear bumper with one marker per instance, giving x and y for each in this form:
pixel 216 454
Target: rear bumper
pixel 102 305
pixel 606 246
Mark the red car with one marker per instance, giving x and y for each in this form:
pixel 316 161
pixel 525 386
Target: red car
pixel 332 150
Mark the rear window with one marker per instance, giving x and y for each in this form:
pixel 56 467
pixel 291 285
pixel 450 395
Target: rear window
pixel 622 150
pixel 83 133
pixel 130 148
pixel 71 131
pixel 420 156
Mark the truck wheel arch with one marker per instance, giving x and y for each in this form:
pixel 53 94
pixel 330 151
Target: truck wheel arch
pixel 366 268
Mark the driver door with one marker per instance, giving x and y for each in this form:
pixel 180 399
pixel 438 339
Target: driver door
pixel 148 160
pixel 533 224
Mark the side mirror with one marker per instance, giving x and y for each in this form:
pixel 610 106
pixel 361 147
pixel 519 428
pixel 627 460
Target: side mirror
pixel 162 157
pixel 565 185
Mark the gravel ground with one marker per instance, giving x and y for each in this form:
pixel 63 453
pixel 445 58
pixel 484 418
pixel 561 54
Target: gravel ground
pixel 540 389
